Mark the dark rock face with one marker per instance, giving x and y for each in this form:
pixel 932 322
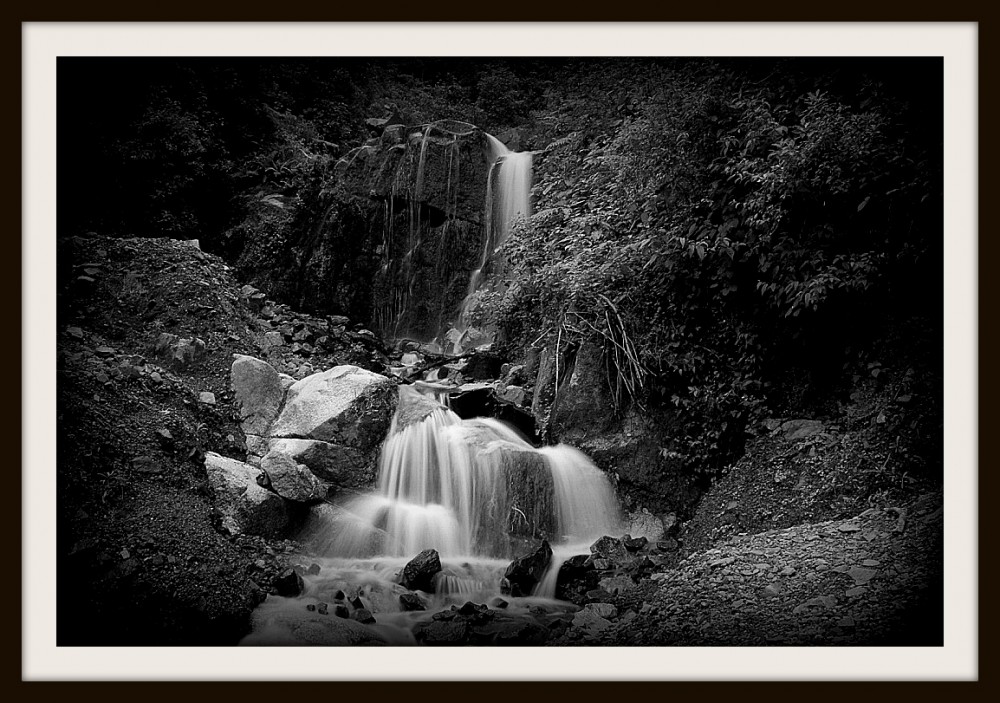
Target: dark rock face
pixel 289 584
pixel 582 414
pixel 577 576
pixel 524 573
pixel 419 572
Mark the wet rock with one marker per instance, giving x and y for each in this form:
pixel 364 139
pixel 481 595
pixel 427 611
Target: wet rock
pixel 258 392
pixel 482 366
pixel 245 507
pixel 419 572
pixel 634 544
pixel 363 615
pixel 289 583
pixel 576 577
pixel 524 573
pixel 409 602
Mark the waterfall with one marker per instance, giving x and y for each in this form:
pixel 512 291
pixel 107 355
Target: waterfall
pixel 508 196
pixel 472 489
pixel 468 488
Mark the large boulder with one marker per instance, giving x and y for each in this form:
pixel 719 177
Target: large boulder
pixel 259 393
pixel 292 480
pixel 245 507
pixel 419 572
pixel 524 573
pixel 344 405
pixel 343 466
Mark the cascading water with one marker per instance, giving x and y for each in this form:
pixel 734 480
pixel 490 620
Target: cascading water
pixel 508 196
pixel 475 491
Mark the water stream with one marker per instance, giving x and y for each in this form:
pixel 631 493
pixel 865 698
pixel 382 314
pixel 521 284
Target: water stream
pixel 474 490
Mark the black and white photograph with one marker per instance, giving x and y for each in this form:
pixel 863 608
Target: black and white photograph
pixel 512 351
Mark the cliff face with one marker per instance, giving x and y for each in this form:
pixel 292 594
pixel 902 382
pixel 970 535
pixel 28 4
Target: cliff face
pixel 390 236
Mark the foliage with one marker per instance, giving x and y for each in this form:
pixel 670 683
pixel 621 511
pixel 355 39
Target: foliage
pixel 690 226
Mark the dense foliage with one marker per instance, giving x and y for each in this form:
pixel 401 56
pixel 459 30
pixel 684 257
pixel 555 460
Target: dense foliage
pixel 724 235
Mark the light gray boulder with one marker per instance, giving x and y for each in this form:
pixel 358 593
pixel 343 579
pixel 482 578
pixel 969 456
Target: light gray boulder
pixel 345 405
pixel 245 506
pixel 259 393
pixel 292 480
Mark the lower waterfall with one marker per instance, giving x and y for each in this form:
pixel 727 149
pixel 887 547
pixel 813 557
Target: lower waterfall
pixel 475 491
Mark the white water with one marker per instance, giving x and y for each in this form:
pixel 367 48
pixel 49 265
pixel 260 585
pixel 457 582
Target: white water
pixel 475 491
pixel 508 197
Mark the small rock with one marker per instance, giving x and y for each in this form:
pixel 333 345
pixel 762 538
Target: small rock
pixel 725 561
pixel 846 622
pixel 410 602
pixel 75 332
pixel 870 562
pixel 861 575
pixel 104 351
pixel 207 398
pixel 323 608
pixel 634 544
pixel 313 569
pixel 363 615
pixel 342 611
pixel 311 607
pixel 849 527
pixel 856 591
pixel 772 590
pixel 788 571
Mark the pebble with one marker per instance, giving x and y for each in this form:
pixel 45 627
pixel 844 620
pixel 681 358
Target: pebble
pixel 207 398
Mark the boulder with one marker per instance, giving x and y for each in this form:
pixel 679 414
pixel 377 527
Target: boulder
pixel 289 583
pixel 610 549
pixel 244 505
pixel 344 405
pixel 645 524
pixel 526 572
pixel 419 572
pixel 576 577
pixel 259 393
pixel 410 602
pixel 343 466
pixel 292 480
